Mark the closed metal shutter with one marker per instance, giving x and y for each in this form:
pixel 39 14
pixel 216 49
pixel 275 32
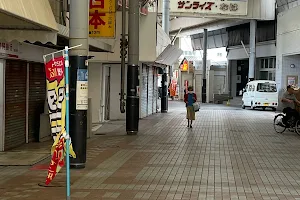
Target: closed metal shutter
pixel 155 91
pixel 37 96
pixel 15 103
pixel 150 91
pixel 144 95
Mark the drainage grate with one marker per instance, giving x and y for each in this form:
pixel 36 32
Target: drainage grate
pixel 53 185
pixel 100 134
pixel 278 142
pixel 274 136
pixel 108 146
pixel 167 143
pixel 236 131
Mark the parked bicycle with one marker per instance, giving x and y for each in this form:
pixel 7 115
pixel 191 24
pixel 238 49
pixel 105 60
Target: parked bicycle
pixel 292 123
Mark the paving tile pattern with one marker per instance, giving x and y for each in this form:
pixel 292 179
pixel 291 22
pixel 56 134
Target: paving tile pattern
pixel 229 154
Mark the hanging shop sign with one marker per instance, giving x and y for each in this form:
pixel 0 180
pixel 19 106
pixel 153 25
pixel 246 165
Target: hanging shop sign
pixel 9 49
pixel 214 7
pixel 184 67
pixel 102 18
pixel 82 90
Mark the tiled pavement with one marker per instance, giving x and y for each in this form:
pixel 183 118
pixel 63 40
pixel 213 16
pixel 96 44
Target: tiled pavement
pixel 229 154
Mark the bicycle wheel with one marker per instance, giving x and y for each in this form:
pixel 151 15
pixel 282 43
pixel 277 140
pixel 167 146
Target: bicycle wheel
pixel 278 124
pixel 297 127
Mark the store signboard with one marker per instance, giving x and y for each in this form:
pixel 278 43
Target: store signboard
pixel 9 49
pixel 213 7
pixel 102 18
pixel 82 90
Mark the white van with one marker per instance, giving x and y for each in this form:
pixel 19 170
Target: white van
pixel 260 94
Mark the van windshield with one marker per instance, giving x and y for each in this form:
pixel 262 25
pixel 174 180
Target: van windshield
pixel 266 87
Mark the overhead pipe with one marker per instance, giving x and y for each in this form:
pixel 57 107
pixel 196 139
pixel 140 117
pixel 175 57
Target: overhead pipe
pixel 166 16
pixel 123 57
pixel 64 11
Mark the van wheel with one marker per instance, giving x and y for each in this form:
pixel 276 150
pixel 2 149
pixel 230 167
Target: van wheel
pixel 274 109
pixel 243 106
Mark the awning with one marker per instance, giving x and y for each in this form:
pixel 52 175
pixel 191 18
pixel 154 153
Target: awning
pixel 27 20
pixel 31 36
pixel 169 55
pixel 95 45
pixel 215 39
pixel 27 15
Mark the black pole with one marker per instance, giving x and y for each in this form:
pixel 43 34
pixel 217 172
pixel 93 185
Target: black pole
pixel 132 100
pixel 164 95
pixel 204 91
pixel 204 66
pixel 78 118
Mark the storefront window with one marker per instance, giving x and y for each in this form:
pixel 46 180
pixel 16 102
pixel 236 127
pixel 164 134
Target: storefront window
pixel 267 69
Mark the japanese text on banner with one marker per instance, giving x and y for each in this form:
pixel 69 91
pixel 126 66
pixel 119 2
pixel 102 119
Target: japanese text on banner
pixel 102 18
pixel 55 79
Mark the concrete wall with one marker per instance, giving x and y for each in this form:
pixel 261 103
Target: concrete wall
pixel 115 77
pixel 147 40
pixel 95 90
pixel 288 43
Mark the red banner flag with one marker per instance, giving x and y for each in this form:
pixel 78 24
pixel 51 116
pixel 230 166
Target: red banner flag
pixel 55 79
pixel 57 161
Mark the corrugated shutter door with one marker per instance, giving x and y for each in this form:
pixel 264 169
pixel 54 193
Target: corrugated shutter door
pixel 144 105
pixel 15 103
pixel 150 91
pixel 37 96
pixel 155 91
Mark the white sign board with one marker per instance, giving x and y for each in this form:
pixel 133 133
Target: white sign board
pixel 82 90
pixel 213 7
pixel 9 49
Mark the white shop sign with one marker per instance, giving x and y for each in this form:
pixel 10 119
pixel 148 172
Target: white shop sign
pixel 9 49
pixel 213 7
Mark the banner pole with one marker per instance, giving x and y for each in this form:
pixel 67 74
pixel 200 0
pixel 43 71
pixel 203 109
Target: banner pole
pixel 67 122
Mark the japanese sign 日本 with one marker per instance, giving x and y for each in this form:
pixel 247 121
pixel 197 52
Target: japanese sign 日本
pixel 214 7
pixel 102 18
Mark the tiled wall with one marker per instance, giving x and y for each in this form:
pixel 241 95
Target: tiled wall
pixel 287 70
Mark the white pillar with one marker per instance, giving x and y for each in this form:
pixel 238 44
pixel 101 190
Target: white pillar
pixel 252 59
pixel 2 104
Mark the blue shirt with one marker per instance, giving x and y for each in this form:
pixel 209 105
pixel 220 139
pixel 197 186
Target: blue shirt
pixel 190 99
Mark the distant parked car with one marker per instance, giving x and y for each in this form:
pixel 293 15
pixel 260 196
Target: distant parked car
pixel 260 94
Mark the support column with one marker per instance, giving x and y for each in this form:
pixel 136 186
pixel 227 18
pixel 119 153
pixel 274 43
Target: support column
pixel 252 59
pixel 166 16
pixel 132 100
pixel 164 95
pixel 204 66
pixel 166 28
pixel 78 62
pixel 2 104
pixel 227 86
